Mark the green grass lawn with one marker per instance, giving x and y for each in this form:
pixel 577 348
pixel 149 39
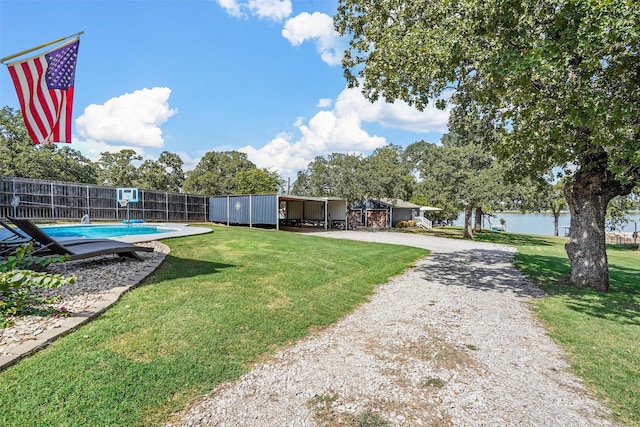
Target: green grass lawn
pixel 599 331
pixel 218 303
pixel 225 300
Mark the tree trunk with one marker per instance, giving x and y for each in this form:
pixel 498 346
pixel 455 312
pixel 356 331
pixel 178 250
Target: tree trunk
pixel 586 246
pixel 478 223
pixel 556 220
pixel 468 214
pixel 587 198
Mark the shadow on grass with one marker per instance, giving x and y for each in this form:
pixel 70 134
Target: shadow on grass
pixel 175 268
pixel 514 239
pixel 544 269
pixel 488 236
pixel 621 304
pixel 616 305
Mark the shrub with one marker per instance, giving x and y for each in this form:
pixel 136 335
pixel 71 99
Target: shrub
pixel 18 279
pixel 406 224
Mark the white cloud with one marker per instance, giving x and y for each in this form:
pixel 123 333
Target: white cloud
pixel 316 27
pixel 232 7
pixel 92 149
pixel 324 102
pixel 279 154
pixel 188 161
pixel 396 115
pixel 340 130
pixel 319 28
pixel 276 10
pixel 131 119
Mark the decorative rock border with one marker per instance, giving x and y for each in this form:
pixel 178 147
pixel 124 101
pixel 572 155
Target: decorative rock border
pixel 69 324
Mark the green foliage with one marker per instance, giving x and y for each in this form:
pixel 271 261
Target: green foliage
pixel 258 181
pixel 369 419
pixel 459 176
pixel 18 280
pixel 216 173
pixel 550 196
pixel 20 157
pixel 390 175
pixel 464 174
pixel 541 84
pixel 325 414
pixel 16 148
pixel 338 175
pixel 164 174
pixel 434 382
pixel 556 80
pixel 617 212
pixel 117 170
pixel 383 174
pixel 69 165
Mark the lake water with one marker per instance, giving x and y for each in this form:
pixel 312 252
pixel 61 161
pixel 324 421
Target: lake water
pixel 539 223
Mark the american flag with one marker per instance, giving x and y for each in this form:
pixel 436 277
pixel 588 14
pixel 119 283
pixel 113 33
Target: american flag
pixel 44 85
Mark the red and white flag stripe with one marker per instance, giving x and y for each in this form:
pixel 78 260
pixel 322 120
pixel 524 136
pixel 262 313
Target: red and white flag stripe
pixel 46 109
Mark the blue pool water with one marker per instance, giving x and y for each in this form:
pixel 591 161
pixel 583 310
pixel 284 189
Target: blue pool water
pixel 102 231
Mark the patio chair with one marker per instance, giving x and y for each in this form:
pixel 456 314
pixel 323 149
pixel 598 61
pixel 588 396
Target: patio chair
pixel 79 249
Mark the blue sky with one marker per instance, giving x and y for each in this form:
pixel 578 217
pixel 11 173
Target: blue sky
pixel 192 76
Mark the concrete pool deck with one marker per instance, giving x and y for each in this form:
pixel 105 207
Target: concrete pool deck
pixel 178 230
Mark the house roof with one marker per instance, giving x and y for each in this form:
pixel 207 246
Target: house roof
pixel 397 203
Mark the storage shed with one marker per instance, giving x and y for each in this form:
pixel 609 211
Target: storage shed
pixel 279 210
pixel 383 213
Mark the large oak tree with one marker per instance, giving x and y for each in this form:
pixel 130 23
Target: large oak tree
pixel 464 175
pixel 560 79
pixel 117 169
pixel 339 175
pixel 216 173
pixel 164 174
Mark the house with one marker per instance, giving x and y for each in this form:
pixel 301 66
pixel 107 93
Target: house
pixel 382 213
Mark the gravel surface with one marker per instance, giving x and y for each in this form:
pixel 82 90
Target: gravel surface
pixel 450 342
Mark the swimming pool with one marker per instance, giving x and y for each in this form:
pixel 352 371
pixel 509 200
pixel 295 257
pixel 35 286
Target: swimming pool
pixel 96 231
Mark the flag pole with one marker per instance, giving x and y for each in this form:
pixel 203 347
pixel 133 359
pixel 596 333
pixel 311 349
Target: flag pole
pixel 24 52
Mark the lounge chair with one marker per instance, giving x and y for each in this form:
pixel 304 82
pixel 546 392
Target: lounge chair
pixel 78 249
pixel 11 238
pixel 9 243
pixel 12 233
pixel 15 236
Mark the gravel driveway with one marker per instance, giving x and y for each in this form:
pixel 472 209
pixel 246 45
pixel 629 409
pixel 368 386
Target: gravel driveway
pixel 450 342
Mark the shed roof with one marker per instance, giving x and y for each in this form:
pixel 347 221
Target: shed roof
pixel 318 199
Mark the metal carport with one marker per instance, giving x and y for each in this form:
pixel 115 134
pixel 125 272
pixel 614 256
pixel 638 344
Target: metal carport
pixel 279 210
